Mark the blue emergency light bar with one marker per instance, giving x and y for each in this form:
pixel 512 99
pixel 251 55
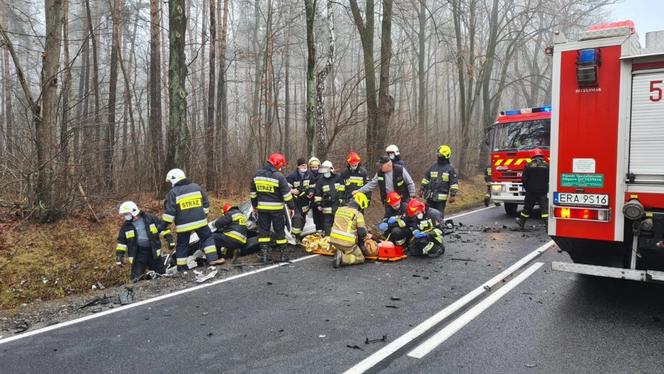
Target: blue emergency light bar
pixel 587 56
pixel 514 112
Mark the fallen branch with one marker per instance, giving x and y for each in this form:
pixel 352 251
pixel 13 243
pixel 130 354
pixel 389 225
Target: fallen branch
pixel 80 188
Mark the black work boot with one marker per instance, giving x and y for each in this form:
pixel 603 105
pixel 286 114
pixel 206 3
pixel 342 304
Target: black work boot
pixel 521 222
pixel 283 254
pixel 487 200
pixel 264 255
pixel 236 254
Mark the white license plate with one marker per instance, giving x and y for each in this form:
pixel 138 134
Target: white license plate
pixel 580 199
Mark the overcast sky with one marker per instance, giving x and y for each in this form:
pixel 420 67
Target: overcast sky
pixel 648 15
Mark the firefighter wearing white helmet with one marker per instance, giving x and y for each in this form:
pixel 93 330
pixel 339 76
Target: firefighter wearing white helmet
pixel 328 196
pixel 440 183
pixel 393 153
pixel 187 206
pixel 138 238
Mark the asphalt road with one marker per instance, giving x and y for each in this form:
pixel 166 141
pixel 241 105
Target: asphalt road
pixel 310 318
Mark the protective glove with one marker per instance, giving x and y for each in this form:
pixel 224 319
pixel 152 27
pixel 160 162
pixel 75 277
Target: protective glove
pixel 392 220
pixel 382 226
pixel 119 259
pixel 419 234
pixel 212 227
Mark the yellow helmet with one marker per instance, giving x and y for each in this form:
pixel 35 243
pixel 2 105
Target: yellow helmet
pixel 445 151
pixel 361 199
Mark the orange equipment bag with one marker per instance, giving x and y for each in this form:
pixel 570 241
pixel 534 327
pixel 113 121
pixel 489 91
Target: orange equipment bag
pixel 387 251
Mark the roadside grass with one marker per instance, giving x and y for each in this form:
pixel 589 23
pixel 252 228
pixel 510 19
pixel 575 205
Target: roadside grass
pixel 44 262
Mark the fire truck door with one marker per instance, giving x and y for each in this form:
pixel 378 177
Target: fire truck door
pixel 646 148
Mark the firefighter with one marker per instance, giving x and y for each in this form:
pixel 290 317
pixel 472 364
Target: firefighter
pixel 300 182
pixel 440 183
pixel 392 151
pixel 535 181
pixel 139 240
pixel 187 206
pixel 393 225
pixel 269 193
pixel 426 225
pixel 391 178
pixel 487 180
pixel 328 196
pixel 230 235
pixel 349 232
pixel 354 177
pixel 314 166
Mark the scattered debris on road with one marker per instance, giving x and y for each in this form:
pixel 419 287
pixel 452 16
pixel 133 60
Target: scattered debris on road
pixel 126 296
pixel 371 341
pixel 354 347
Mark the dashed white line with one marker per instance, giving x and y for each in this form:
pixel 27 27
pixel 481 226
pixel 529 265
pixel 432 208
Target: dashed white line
pixel 456 325
pixel 432 321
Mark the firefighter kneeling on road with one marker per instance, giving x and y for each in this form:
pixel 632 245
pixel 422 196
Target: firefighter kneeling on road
pixel 427 228
pixel 440 183
pixel 187 205
pixel 393 225
pixel 230 235
pixel 536 183
pixel 139 240
pixel 269 192
pixel 349 232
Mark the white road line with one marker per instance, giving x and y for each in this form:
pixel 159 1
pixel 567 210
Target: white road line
pixel 167 296
pixel 148 301
pixel 470 212
pixel 432 321
pixel 456 325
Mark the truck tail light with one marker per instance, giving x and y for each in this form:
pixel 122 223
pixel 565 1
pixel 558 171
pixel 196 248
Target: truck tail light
pixel 582 214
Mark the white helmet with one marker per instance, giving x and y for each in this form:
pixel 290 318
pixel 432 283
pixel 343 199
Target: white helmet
pixel 314 160
pixel 326 166
pixel 392 148
pixel 175 175
pixel 129 207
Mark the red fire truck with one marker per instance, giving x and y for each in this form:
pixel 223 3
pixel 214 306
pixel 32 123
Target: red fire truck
pixel 513 138
pixel 606 189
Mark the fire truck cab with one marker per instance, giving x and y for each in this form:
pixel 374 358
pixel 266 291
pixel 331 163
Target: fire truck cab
pixel 513 138
pixel 606 188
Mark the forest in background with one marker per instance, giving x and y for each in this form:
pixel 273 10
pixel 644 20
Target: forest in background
pixel 100 98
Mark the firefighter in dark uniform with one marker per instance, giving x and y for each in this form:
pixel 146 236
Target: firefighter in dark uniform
pixel 535 181
pixel 187 206
pixel 269 193
pixel 426 225
pixel 390 178
pixel 487 180
pixel 314 166
pixel 440 183
pixel 328 196
pixel 230 235
pixel 300 182
pixel 393 225
pixel 354 177
pixel 139 240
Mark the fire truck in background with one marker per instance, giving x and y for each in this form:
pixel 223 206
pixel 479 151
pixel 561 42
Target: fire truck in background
pixel 513 138
pixel 606 188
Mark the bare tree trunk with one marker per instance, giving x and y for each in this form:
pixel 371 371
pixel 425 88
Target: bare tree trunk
pixel 320 86
pixel 177 74
pixel 129 108
pixel 7 91
pixel 421 73
pixel 287 103
pixel 66 91
pixel 112 93
pixel 154 120
pixel 386 101
pixel 366 30
pixel 95 85
pixel 210 144
pixel 310 9
pixel 83 97
pixel 222 94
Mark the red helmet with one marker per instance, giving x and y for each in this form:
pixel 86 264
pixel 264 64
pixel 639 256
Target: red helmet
pixel 277 160
pixel 538 153
pixel 415 206
pixel 353 158
pixel 227 207
pixel 393 198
